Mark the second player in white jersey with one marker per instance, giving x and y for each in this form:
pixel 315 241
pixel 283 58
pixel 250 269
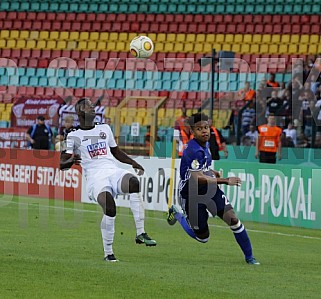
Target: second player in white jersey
pixel 94 148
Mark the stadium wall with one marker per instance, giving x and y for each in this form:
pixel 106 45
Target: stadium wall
pixel 275 194
pixel 36 173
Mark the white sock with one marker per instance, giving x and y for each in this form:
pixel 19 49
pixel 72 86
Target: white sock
pixel 137 207
pixel 107 232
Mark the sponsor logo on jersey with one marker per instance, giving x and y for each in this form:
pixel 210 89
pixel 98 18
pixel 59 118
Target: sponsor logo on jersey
pixel 102 135
pixel 195 164
pixel 97 149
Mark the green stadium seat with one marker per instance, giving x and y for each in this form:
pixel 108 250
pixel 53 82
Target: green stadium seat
pixel 5 6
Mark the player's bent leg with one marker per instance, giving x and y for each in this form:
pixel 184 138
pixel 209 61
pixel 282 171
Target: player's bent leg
pixel 107 202
pixel 175 214
pixel 240 234
pixel 202 235
pixel 130 184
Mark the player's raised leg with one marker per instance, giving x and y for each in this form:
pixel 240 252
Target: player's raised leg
pixel 130 184
pixel 240 234
pixel 107 202
pixel 175 215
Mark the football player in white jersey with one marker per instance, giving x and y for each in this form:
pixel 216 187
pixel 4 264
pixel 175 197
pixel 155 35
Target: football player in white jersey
pixel 94 148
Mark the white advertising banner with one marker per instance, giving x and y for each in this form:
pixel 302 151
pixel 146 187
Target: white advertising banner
pixel 154 183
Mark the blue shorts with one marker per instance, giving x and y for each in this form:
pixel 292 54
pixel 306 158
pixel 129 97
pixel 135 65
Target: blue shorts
pixel 220 200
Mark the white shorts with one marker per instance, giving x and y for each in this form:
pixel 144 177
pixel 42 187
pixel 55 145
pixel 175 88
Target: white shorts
pixel 105 180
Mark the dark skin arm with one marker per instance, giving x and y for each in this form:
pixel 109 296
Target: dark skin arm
pixel 67 160
pixel 124 158
pixel 203 179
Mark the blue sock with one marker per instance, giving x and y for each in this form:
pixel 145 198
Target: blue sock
pixel 183 222
pixel 242 239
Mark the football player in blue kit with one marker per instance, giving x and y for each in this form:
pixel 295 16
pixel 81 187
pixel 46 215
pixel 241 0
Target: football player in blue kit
pixel 200 192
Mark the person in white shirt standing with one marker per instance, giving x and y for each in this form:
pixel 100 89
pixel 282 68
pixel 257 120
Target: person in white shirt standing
pixel 94 148
pixel 291 132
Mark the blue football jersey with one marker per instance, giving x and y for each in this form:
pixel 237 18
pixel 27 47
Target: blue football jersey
pixel 195 157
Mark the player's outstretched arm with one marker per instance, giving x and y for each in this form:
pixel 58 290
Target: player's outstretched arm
pixel 124 158
pixel 67 160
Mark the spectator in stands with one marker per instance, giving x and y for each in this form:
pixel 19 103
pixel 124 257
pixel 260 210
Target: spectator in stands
pixel 314 84
pixel 287 107
pixel 180 121
pixel 318 112
pixel 282 91
pixel 303 141
pixel 260 107
pixel 246 141
pixel 69 124
pixel 246 93
pixel 306 114
pixel 290 133
pixel 271 82
pixel 252 134
pixel 183 135
pixel 317 142
pixel 248 116
pixel 39 135
pixel 318 93
pixel 217 142
pixel 236 106
pixel 274 104
pixel 268 142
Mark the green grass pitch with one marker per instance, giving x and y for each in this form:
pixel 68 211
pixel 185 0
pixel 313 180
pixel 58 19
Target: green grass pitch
pixel 53 249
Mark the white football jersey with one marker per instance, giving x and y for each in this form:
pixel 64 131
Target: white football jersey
pixel 93 146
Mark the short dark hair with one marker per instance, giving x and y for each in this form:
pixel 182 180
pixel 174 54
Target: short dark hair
pixel 196 117
pixel 79 103
pixel 41 117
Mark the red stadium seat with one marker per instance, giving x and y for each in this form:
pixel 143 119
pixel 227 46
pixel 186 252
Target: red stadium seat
pixel 57 26
pixel 37 25
pixel 3 15
pixel 221 28
pixel 43 63
pixel 258 19
pixel 231 28
pixel 79 93
pixel 267 19
pixel 315 29
pixel 164 28
pixel 101 17
pixel 197 18
pixel 51 16
pixel 315 19
pixel 306 29
pixel 238 19
pixel 6 53
pixel 25 53
pixel 296 28
pixel 145 18
pixel 85 26
pixel 160 18
pixel 16 53
pixel 209 18
pixel 76 26
pixel 7 24
pixel 41 16
pixel 12 15
pixel 31 16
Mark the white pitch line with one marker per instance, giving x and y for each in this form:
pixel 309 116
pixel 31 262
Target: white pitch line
pixel 161 219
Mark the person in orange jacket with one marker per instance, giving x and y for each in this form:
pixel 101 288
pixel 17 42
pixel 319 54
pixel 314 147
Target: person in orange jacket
pixel 269 141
